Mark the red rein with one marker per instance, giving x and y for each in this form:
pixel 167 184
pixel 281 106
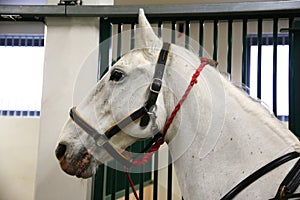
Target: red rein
pixel 155 147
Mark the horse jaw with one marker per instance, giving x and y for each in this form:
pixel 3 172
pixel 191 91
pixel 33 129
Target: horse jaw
pixel 147 39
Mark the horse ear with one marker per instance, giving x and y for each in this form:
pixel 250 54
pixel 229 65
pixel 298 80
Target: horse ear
pixel 146 37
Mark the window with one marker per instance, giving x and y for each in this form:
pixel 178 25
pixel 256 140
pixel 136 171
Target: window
pixel 267 72
pixel 21 74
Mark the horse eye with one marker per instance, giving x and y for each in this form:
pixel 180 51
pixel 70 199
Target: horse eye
pixel 116 75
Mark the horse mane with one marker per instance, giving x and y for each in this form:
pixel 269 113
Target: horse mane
pixel 264 115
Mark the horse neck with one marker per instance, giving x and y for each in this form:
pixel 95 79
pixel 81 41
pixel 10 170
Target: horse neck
pixel 220 129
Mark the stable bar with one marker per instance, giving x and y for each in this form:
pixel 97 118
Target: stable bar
pixel 170 166
pixel 173 40
pixel 215 52
pixel 201 37
pixel 155 172
pixel 170 171
pixel 259 52
pixel 119 44
pixel 244 54
pixel 132 36
pixel 294 74
pixel 229 46
pixel 187 34
pixel 291 94
pixel 141 175
pixel 98 184
pixel 155 177
pixel 103 63
pixel 159 26
pixel 127 187
pixel 241 9
pixel 105 45
pixel 275 43
pixel 113 178
pixel 141 186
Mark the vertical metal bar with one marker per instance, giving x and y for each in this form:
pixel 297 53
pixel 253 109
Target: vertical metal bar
pixel 244 55
pixel 119 48
pixel 187 34
pixel 170 169
pixel 127 192
pixel 201 31
pixel 5 42
pixel 132 40
pixel 97 186
pixel 141 144
pixel 127 187
pixel 113 179
pixel 113 170
pixel 132 36
pixel 249 42
pixel 105 45
pixel 215 52
pixel 103 64
pixel 155 181
pixel 275 43
pixel 155 174
pixel 294 74
pixel 159 26
pixel 141 177
pixel 170 166
pixel 229 44
pixel 259 53
pixel 173 32
pixel 291 94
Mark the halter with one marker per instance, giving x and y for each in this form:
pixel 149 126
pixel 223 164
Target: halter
pixel 145 113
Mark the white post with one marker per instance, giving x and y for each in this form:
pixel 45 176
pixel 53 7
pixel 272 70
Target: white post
pixel 68 42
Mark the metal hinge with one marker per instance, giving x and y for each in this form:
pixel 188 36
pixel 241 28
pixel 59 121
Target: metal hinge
pixel 12 17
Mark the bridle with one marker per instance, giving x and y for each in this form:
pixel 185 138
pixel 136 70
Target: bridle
pixel 147 112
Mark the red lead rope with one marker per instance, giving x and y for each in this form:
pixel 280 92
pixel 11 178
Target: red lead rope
pixel 155 147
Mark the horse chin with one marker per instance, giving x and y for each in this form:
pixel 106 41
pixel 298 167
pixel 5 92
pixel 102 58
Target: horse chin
pixel 83 165
pixel 90 170
pixel 84 174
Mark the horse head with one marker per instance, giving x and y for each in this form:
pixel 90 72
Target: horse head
pixel 123 89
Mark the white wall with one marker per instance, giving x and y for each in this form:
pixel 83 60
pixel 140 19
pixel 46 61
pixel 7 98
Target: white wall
pixel 21 28
pixel 18 153
pixel 18 138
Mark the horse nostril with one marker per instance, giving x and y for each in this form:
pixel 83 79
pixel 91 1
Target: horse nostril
pixel 60 151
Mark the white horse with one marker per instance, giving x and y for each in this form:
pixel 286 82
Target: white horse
pixel 218 138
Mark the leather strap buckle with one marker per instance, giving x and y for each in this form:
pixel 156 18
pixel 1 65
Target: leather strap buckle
pixel 156 85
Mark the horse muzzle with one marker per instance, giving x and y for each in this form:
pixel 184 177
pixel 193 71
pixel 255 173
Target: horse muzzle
pixel 78 164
